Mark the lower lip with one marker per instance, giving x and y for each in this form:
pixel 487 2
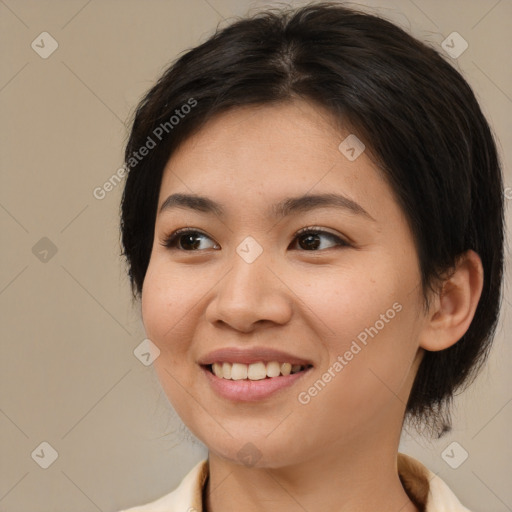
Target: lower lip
pixel 251 390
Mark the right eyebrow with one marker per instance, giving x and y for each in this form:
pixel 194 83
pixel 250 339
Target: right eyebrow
pixel 284 208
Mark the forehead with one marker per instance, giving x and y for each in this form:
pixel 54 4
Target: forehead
pixel 256 153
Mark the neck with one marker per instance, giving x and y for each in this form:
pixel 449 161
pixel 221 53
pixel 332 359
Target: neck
pixel 341 479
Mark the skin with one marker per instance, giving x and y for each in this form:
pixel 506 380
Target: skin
pixel 309 302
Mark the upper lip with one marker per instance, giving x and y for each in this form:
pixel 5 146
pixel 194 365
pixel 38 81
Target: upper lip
pixel 250 355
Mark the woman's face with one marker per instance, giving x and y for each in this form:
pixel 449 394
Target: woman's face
pixel 345 302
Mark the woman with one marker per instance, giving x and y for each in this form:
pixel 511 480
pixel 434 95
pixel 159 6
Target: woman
pixel 313 221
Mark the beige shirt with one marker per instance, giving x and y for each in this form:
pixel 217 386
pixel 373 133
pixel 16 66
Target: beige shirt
pixel 426 490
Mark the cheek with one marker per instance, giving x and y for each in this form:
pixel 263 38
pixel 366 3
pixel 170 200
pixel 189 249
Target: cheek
pixel 168 300
pixel 370 322
pixel 343 302
pixel 363 384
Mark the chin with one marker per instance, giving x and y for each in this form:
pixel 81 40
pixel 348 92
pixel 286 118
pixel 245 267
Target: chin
pixel 256 451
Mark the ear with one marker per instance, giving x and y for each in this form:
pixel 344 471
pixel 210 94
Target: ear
pixel 454 306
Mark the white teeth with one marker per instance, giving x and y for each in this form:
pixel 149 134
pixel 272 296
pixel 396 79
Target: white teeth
pixel 273 369
pixel 257 371
pixel 226 370
pixel 286 368
pixel 254 371
pixel 217 369
pixel 239 371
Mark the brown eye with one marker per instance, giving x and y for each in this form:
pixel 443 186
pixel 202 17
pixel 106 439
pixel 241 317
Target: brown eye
pixel 186 240
pixel 310 239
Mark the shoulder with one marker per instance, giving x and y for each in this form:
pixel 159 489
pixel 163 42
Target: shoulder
pixel 426 488
pixel 187 497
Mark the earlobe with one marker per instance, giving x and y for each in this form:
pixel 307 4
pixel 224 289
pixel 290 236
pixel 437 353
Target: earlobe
pixel 453 308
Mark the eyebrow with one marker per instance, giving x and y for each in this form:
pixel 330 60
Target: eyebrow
pixel 284 208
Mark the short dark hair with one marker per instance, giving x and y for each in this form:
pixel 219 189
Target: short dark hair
pixel 415 113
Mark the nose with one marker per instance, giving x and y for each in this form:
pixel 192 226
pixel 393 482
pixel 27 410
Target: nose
pixel 250 294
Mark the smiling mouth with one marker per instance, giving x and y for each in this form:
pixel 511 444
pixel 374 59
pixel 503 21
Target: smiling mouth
pixel 254 371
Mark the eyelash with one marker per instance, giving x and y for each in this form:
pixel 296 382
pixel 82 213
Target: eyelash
pixel 171 241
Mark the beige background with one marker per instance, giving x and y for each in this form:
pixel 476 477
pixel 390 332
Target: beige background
pixel 68 374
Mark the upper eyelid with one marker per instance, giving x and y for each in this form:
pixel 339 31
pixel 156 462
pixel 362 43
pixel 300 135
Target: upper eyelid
pixel 298 232
pixel 320 230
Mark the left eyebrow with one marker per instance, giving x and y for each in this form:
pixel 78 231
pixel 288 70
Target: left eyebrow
pixel 293 205
pixel 284 208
